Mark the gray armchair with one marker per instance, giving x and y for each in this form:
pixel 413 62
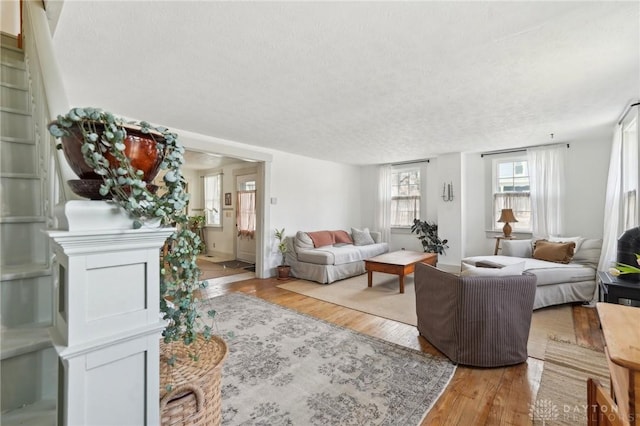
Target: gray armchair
pixel 481 321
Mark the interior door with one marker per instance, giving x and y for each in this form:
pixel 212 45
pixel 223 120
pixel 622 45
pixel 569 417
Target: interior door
pixel 246 217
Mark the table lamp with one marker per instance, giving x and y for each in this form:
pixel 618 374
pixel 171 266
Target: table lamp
pixel 507 216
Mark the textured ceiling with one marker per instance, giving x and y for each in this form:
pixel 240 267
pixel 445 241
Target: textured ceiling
pixel 358 82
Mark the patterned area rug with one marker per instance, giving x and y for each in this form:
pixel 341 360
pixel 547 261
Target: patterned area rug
pixel 287 368
pixel 562 397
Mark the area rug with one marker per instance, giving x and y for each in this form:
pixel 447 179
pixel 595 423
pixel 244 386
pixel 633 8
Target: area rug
pixel 235 264
pixel 562 396
pixel 383 299
pixel 287 368
pixel 210 270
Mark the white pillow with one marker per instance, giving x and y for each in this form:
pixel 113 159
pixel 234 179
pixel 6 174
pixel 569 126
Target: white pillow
pixel 577 240
pixel 470 270
pixel 361 237
pixel 516 248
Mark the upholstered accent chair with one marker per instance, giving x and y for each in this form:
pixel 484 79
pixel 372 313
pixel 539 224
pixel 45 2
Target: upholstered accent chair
pixel 481 321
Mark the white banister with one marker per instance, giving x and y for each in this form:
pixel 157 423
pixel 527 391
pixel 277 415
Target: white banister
pixel 38 43
pixel 36 17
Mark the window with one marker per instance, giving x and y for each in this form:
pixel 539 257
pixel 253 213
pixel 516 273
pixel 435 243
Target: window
pixel 213 199
pixel 511 191
pixel 630 174
pixel 405 197
pixel 246 207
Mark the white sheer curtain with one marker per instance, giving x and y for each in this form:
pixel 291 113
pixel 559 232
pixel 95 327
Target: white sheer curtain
pixel 612 203
pixel 546 176
pixel 383 215
pixel 246 214
pixel 519 202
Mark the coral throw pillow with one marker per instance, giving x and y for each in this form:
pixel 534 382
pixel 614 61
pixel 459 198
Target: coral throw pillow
pixel 553 252
pixel 322 238
pixel 342 237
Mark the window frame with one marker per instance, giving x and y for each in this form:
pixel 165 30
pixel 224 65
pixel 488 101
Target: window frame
pixel 217 201
pixel 495 226
pixel 629 182
pixel 404 169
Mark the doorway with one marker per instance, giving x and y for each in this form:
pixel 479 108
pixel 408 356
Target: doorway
pixel 236 175
pixel 246 216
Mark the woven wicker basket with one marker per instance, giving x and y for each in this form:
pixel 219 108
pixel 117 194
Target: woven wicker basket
pixel 195 396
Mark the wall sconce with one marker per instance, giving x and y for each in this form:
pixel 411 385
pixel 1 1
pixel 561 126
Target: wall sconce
pixel 507 216
pixel 447 192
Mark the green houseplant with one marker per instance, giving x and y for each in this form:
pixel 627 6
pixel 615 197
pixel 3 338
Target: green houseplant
pixel 196 224
pixel 283 268
pixel 428 236
pixel 104 143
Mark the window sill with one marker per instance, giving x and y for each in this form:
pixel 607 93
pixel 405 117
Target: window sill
pixel 213 226
pixel 405 230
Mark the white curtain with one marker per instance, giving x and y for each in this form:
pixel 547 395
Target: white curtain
pixel 519 202
pixel 612 204
pixel 546 176
pixel 383 215
pixel 246 214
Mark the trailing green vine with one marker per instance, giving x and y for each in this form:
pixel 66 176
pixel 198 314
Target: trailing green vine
pixel 103 135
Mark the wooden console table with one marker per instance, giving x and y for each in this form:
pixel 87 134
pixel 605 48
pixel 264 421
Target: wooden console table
pixel 621 405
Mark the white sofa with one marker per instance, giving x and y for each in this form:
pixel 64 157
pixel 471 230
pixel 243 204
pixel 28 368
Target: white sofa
pixel 557 283
pixel 328 263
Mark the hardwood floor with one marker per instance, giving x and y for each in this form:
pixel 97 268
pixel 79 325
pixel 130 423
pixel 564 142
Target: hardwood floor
pixel 475 396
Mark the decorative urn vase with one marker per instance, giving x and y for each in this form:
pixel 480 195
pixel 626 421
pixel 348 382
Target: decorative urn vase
pixel 141 149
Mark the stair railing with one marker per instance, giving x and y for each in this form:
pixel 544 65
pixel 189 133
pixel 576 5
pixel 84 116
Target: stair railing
pixel 49 97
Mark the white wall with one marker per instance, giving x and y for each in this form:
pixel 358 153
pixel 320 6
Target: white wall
pixel 312 195
pixel 586 180
pixel 586 168
pixel 10 13
pixel 463 221
pixel 450 220
pixel 196 191
pixel 474 202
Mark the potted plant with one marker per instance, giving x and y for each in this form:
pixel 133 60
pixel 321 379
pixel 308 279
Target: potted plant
pixel 283 268
pixel 104 142
pixel 428 236
pixel 196 224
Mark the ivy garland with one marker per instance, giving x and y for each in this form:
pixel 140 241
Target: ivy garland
pixel 103 134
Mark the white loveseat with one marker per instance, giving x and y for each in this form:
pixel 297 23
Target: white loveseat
pixel 557 283
pixel 336 260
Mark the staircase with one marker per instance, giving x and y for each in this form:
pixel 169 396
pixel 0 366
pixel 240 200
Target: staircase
pixel 28 363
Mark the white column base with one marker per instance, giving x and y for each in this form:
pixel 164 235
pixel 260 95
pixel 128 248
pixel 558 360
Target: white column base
pixel 107 316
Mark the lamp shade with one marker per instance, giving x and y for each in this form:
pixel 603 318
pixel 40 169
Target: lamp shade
pixel 507 216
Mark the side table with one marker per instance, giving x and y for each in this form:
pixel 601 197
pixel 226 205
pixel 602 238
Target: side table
pixel 620 404
pixel 498 239
pixel 615 290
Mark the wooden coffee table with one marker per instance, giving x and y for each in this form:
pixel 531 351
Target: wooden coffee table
pixel 399 263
